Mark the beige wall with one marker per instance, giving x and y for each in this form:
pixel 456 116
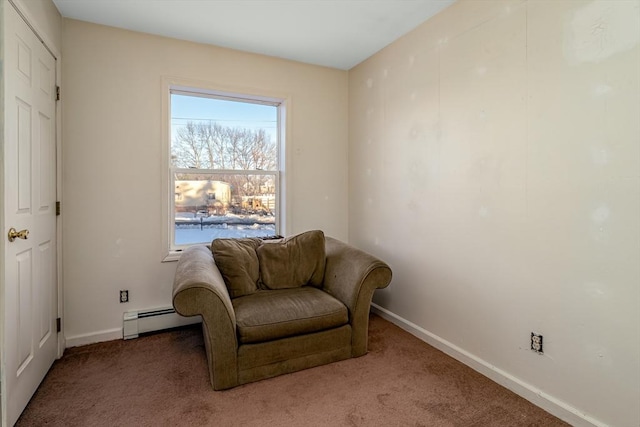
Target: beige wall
pixel 112 175
pixel 494 162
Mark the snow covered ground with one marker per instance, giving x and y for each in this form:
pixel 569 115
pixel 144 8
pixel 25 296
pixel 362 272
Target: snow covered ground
pixel 197 228
pixel 229 218
pixel 208 234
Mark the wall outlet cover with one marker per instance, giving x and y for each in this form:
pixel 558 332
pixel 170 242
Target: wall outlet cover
pixel 536 342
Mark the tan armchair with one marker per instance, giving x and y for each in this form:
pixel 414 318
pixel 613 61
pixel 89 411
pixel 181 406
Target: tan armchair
pixel 273 332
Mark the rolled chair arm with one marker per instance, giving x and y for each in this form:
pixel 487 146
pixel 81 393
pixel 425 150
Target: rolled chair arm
pixel 199 289
pixel 352 276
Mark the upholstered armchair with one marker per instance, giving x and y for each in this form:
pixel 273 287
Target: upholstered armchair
pixel 278 326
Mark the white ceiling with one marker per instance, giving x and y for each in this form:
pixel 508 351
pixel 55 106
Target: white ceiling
pixel 333 33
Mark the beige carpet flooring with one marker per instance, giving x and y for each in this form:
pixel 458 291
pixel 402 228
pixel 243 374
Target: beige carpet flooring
pixel 161 380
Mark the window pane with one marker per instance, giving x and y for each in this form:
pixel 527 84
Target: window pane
pixel 209 205
pixel 212 133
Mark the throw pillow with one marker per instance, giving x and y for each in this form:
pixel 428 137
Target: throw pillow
pixel 295 261
pixel 238 263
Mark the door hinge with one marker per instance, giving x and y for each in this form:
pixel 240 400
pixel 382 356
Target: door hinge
pixel 57 93
pixel 58 324
pixel 57 208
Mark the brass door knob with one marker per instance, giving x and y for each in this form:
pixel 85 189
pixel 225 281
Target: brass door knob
pixel 13 234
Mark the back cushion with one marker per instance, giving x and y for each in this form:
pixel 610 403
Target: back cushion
pixel 295 261
pixel 238 263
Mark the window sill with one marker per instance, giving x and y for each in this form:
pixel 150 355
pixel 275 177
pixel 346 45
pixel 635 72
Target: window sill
pixel 172 256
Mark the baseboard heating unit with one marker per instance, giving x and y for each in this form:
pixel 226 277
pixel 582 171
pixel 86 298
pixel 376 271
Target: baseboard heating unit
pixel 158 319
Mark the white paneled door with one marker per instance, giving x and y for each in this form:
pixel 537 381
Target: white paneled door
pixel 30 303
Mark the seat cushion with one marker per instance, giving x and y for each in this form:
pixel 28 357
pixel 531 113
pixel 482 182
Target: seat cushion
pixel 272 314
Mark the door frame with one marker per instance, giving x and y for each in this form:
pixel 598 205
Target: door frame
pixel 39 30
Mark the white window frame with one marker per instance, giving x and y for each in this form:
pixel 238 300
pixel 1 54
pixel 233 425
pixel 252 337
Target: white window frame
pixel 172 85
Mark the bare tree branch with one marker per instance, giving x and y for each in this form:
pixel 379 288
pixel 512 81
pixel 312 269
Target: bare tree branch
pixel 212 146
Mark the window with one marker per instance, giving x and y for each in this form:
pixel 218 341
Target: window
pixel 224 166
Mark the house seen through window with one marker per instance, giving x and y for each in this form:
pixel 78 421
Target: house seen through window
pixel 224 167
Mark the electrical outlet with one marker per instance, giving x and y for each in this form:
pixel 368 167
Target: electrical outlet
pixel 536 342
pixel 124 296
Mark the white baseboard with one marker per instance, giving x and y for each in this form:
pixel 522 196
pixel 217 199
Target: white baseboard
pixel 539 398
pixel 94 337
pixel 142 325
